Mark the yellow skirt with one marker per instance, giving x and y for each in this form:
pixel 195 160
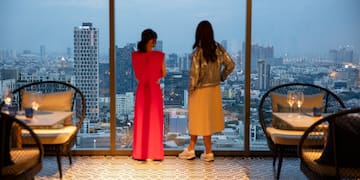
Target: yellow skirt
pixel 205 111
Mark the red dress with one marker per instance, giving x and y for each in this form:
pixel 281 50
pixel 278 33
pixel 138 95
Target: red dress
pixel 149 115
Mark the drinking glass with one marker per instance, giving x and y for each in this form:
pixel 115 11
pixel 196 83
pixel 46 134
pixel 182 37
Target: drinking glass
pixel 7 97
pixel 299 99
pixel 36 101
pixel 291 96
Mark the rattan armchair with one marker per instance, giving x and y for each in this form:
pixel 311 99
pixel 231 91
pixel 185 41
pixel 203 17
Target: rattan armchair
pixel 283 140
pixel 18 161
pixel 330 148
pixel 59 96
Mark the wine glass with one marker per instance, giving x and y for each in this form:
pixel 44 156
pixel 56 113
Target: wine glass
pixel 299 99
pixel 291 96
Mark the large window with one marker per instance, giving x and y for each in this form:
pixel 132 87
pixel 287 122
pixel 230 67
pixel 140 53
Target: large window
pixel 292 41
pixel 175 23
pixel 64 41
pixel 316 42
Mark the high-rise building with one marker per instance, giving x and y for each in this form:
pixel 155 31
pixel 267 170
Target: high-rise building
pixel 42 52
pixel 342 55
pixel 86 69
pixel 172 62
pixel 259 52
pixel 185 61
pixel 158 46
pixel 68 52
pixel 125 77
pixel 125 105
pixel 224 44
pixel 175 84
pixel 263 74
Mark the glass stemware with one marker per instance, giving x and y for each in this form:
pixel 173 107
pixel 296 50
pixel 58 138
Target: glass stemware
pixel 291 96
pixel 299 99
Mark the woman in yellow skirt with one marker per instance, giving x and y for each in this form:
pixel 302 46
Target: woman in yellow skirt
pixel 210 65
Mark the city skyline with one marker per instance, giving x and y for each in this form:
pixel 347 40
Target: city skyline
pixel 296 28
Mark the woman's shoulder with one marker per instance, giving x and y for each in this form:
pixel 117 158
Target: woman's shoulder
pixel 136 53
pixel 220 48
pixel 197 50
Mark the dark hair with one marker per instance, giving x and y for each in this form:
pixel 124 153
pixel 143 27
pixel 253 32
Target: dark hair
pixel 204 38
pixel 146 36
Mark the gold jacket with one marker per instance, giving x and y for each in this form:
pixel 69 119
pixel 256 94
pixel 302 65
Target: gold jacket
pixel 203 74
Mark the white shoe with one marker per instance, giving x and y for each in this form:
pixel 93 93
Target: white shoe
pixel 186 154
pixel 207 157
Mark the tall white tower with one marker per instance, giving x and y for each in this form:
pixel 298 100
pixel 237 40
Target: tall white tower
pixel 86 68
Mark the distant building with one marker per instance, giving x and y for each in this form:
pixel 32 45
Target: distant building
pixel 68 52
pixel 125 104
pixel 125 77
pixel 172 62
pixel 175 84
pixel 158 46
pixel 42 52
pixel 342 55
pixel 340 85
pixel 185 62
pixel 86 69
pixel 259 52
pixel 224 44
pixel 263 75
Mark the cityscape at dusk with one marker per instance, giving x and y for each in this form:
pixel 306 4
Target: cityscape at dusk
pixel 294 27
pixel 89 91
pixel 287 46
pixel 338 71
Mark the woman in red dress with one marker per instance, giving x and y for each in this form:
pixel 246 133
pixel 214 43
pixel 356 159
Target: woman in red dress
pixel 149 68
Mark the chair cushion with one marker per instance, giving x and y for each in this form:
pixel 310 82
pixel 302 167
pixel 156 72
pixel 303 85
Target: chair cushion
pixel 57 101
pixel 24 159
pixel 279 104
pixel 310 101
pixel 16 136
pixel 309 157
pixel 51 136
pixel 285 137
pixel 347 134
pixel 282 108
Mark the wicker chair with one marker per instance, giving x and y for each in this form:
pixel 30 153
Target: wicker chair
pixel 55 95
pixel 330 148
pixel 18 161
pixel 283 140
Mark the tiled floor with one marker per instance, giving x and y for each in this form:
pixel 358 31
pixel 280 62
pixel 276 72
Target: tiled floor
pixel 173 168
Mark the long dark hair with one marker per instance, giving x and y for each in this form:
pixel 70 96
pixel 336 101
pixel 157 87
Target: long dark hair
pixel 146 36
pixel 204 38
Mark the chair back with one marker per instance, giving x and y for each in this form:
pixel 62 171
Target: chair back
pixel 330 147
pixel 314 96
pixel 18 161
pixel 55 95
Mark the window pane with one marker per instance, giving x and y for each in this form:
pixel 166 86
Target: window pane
pixel 306 41
pixel 63 41
pixel 175 23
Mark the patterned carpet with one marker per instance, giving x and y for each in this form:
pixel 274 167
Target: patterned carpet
pixel 172 168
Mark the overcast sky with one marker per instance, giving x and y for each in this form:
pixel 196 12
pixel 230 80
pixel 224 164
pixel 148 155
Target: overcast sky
pixel 297 27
